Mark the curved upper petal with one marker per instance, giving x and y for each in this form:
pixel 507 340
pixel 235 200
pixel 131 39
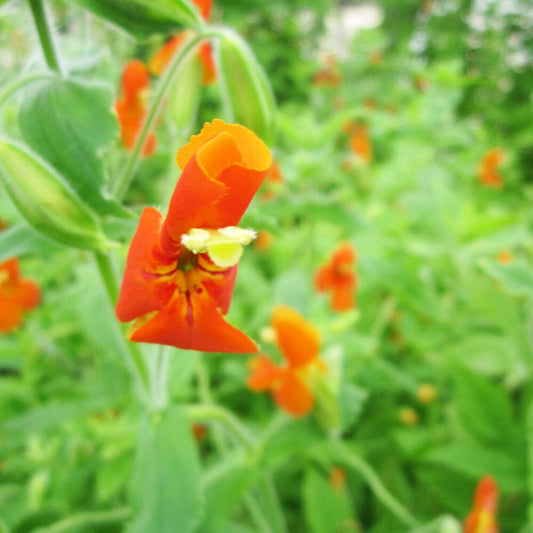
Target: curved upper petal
pixel 223 166
pixel 298 339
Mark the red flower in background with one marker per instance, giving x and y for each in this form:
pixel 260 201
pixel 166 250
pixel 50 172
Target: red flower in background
pixel 338 277
pixel 299 343
pixel 16 295
pixel 328 75
pixel 131 106
pixel 482 518
pixel 181 269
pixel 160 60
pixel 488 169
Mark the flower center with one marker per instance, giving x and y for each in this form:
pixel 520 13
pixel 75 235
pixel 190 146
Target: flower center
pixel 223 245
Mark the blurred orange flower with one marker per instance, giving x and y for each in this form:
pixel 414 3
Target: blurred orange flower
pixel 131 105
pixel 338 277
pixel 272 181
pixel 181 270
pixel 299 343
pixel 505 257
pixel 16 295
pixel 482 517
pixel 488 169
pixel 360 143
pixel 161 58
pixel 328 75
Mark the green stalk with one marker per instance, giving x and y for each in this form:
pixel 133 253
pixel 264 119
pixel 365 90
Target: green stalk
pixel 108 275
pixel 87 520
pixel 121 186
pixel 45 35
pixel 356 462
pixel 529 437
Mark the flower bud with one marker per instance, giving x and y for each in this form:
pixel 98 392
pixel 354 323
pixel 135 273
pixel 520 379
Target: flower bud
pixel 46 201
pixel 246 92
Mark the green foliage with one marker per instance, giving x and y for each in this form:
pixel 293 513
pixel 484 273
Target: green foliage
pixel 428 381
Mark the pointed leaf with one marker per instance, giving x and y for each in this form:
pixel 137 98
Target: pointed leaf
pixel 143 18
pixel 68 123
pixel 165 490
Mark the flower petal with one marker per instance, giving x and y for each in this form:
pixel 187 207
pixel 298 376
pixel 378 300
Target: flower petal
pixel 298 340
pixel 264 374
pixel 192 322
pixel 293 395
pixel 143 288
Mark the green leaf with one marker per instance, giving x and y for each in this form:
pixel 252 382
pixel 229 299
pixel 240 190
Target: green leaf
pixel 20 240
pixel 68 123
pixel 484 407
pixel 143 18
pixel 473 461
pixel 165 489
pixel 516 277
pixel 46 201
pixel 224 486
pixel 328 509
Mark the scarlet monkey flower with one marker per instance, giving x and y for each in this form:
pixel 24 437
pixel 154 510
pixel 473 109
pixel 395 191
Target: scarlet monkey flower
pixel 488 169
pixel 16 295
pixel 299 343
pixel 131 106
pixel 160 60
pixel 482 518
pixel 338 276
pixel 180 270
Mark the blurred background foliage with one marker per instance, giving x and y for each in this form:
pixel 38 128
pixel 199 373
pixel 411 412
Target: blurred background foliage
pixel 438 84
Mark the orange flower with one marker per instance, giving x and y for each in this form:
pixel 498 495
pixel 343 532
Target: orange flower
pixel 131 106
pixel 160 60
pixel 263 241
pixel 299 343
pixel 488 169
pixel 338 276
pixel 505 257
pixel 482 518
pixel 328 75
pixel 360 143
pixel 16 295
pixel 180 270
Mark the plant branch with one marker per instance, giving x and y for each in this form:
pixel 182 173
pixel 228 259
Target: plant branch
pixel 42 24
pixel 85 520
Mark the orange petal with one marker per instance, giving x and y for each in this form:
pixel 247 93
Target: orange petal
pixel 192 322
pixel 29 294
pixel 298 340
pixel 209 71
pixel 10 314
pixel 205 7
pixel 143 290
pixel 486 494
pixel 344 255
pixel 293 395
pixel 160 59
pixel 342 298
pixel 264 374
pixel 135 78
pixel 324 278
pixel 223 167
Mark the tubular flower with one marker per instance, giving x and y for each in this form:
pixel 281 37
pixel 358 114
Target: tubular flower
pixel 181 270
pixel 488 169
pixel 290 384
pixel 482 518
pixel 160 60
pixel 338 276
pixel 16 295
pixel 131 106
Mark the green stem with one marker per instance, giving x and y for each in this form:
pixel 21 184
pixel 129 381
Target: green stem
pixel 22 82
pixel 124 181
pixel 529 436
pixel 356 462
pixel 214 413
pixel 45 35
pixel 108 274
pixel 159 378
pixel 86 520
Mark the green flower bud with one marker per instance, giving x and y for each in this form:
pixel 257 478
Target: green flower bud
pixel 246 92
pixel 46 201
